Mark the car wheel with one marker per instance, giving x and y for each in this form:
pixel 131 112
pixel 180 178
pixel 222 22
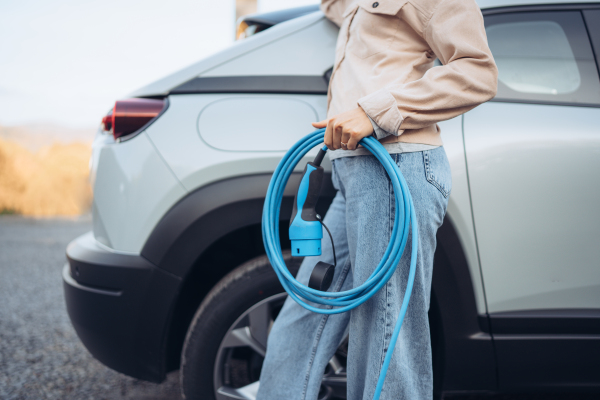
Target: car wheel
pixel 225 345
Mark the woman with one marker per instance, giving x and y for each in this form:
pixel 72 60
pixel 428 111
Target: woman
pixel 384 83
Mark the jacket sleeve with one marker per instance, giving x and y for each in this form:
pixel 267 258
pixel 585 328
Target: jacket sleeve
pixel 467 78
pixel 333 10
pixel 377 131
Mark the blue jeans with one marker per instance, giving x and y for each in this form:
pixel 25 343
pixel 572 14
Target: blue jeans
pixel 360 218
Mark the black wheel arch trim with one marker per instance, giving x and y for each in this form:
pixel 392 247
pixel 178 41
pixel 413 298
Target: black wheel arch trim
pixel 181 235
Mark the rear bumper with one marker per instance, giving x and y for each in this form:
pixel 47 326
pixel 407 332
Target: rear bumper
pixel 120 306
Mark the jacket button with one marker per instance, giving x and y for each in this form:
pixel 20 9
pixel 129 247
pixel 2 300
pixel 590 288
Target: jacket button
pixel 375 4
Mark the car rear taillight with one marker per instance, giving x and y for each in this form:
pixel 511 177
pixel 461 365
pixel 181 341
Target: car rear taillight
pixel 107 121
pixel 128 116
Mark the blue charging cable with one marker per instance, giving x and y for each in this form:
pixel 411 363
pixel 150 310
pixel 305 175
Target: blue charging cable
pixel 349 299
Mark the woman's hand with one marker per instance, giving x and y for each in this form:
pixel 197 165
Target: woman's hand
pixel 345 130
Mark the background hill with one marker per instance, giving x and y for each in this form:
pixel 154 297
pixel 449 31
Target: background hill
pixel 44 170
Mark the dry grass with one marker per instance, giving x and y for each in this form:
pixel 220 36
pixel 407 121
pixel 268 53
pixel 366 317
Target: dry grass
pixel 51 181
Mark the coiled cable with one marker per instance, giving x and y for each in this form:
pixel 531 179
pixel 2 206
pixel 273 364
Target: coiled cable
pixel 347 300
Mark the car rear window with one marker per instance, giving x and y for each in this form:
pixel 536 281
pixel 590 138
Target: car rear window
pixel 543 57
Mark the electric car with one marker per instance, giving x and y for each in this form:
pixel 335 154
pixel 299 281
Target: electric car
pixel 173 274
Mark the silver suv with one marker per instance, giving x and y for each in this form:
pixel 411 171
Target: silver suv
pixel 173 275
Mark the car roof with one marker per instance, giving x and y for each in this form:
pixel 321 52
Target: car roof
pixel 485 4
pixel 276 17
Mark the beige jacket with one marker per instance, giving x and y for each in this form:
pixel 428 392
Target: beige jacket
pixel 384 63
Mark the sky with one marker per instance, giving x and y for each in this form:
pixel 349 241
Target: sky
pixel 65 62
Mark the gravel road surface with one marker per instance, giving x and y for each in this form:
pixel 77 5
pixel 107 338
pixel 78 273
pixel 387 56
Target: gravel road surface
pixel 40 354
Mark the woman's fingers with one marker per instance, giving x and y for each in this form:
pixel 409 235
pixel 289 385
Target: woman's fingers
pixel 348 128
pixel 337 136
pixel 329 135
pixel 346 138
pixel 353 141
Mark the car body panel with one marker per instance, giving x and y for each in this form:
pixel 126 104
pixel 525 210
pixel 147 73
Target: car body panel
pixel 196 163
pixel 314 49
pixel 459 204
pixel 133 189
pixel 533 171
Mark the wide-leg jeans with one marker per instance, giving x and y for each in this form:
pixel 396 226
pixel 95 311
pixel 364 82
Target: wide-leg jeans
pixel 361 217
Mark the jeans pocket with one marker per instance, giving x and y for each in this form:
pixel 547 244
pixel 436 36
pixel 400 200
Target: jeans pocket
pixel 437 170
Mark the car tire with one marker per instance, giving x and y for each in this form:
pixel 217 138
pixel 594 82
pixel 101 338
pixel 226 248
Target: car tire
pixel 249 285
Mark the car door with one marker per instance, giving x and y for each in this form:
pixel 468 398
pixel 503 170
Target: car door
pixel 533 157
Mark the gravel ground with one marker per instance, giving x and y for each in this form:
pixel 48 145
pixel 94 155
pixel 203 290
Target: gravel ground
pixel 40 354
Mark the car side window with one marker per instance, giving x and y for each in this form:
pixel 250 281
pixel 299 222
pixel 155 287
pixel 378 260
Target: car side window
pixel 543 57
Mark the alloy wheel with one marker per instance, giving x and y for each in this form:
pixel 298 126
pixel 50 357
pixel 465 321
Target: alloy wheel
pixel 242 351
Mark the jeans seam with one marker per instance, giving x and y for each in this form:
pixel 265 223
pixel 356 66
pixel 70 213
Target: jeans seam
pixel 324 319
pixel 387 318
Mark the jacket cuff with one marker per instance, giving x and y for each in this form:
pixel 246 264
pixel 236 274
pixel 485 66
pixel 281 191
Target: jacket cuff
pixel 381 107
pixel 377 131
